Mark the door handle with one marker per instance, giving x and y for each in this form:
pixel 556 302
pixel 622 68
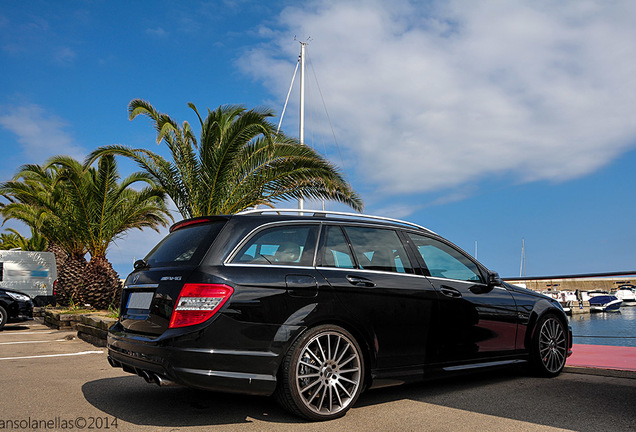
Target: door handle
pixel 361 282
pixel 450 292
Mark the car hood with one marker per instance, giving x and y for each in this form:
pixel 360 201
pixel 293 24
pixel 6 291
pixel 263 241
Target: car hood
pixel 4 290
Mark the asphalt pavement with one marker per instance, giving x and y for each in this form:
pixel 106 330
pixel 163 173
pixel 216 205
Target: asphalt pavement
pixel 52 381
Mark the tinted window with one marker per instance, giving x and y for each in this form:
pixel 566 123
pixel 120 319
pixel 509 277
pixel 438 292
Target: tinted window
pixel 281 245
pixel 185 246
pixel 378 249
pixel 336 252
pixel 444 261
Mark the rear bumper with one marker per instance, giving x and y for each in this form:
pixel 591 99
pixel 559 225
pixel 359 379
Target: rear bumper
pixel 194 359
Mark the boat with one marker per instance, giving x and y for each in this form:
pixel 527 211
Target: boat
pixel 565 298
pixel 604 303
pixel 626 293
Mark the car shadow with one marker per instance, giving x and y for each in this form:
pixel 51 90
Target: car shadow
pixel 181 406
pixel 10 328
pixel 132 400
pixel 569 401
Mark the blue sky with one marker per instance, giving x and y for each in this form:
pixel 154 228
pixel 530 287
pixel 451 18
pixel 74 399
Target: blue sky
pixel 487 122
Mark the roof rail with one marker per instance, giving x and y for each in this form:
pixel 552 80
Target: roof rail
pixel 309 212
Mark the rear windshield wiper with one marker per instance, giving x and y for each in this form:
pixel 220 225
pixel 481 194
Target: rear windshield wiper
pixel 139 264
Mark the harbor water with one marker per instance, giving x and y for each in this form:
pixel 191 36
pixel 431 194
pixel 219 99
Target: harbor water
pixel 605 328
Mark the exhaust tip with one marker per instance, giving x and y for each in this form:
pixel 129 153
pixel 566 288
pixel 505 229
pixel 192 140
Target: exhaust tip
pixel 145 375
pixel 162 382
pixel 114 363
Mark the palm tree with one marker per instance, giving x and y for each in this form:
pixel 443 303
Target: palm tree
pixel 14 240
pixel 238 162
pixel 107 209
pixel 91 209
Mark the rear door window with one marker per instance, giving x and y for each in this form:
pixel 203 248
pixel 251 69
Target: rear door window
pixel 378 249
pixel 280 245
pixel 185 246
pixel 335 251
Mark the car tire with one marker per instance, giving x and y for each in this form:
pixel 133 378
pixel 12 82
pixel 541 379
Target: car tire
pixel 549 346
pixel 3 317
pixel 322 374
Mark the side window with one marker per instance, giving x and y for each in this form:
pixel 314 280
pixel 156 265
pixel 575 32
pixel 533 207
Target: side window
pixel 379 249
pixel 336 252
pixel 444 261
pixel 1 270
pixel 280 245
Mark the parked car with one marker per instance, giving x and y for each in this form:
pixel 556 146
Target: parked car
pixel 314 307
pixel 14 307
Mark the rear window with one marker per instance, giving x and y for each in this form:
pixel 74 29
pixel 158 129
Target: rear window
pixel 185 246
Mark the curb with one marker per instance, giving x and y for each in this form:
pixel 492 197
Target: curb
pixel 612 373
pixel 91 327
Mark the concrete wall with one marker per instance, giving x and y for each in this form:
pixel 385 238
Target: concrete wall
pixel 582 284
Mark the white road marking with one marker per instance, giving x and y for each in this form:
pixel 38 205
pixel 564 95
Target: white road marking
pixel 52 355
pixel 30 342
pixel 19 333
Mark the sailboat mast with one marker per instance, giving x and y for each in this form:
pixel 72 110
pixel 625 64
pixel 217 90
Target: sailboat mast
pixel 301 132
pixel 523 257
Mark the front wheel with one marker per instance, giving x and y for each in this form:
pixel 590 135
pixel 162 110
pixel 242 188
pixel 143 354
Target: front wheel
pixel 322 374
pixel 549 346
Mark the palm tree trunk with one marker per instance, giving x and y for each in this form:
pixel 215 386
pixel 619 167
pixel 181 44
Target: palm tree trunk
pixel 103 286
pixel 60 255
pixel 70 279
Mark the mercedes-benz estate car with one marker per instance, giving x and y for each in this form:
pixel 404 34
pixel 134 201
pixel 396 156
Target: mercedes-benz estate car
pixel 313 307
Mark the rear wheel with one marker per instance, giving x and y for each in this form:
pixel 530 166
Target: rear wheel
pixel 3 317
pixel 549 346
pixel 322 374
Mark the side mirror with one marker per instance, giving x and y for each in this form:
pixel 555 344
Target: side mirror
pixel 494 279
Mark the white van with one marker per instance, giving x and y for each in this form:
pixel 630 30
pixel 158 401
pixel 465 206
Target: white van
pixel 31 273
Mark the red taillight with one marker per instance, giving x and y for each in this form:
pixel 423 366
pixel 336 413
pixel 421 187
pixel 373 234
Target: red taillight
pixel 54 287
pixel 198 302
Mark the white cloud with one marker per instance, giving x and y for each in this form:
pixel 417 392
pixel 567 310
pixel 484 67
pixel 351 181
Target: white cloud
pixel 436 95
pixel 64 55
pixel 156 32
pixel 41 134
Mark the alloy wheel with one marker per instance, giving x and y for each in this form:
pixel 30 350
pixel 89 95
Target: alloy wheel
pixel 552 345
pixel 328 373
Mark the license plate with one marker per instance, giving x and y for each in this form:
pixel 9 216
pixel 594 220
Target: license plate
pixel 140 300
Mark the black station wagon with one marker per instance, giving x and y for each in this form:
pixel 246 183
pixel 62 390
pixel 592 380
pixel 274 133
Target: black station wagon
pixel 313 307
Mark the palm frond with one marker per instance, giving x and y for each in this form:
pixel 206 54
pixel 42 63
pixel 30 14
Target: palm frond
pixel 239 161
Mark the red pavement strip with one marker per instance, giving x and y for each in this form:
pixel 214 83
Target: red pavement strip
pixel 603 357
